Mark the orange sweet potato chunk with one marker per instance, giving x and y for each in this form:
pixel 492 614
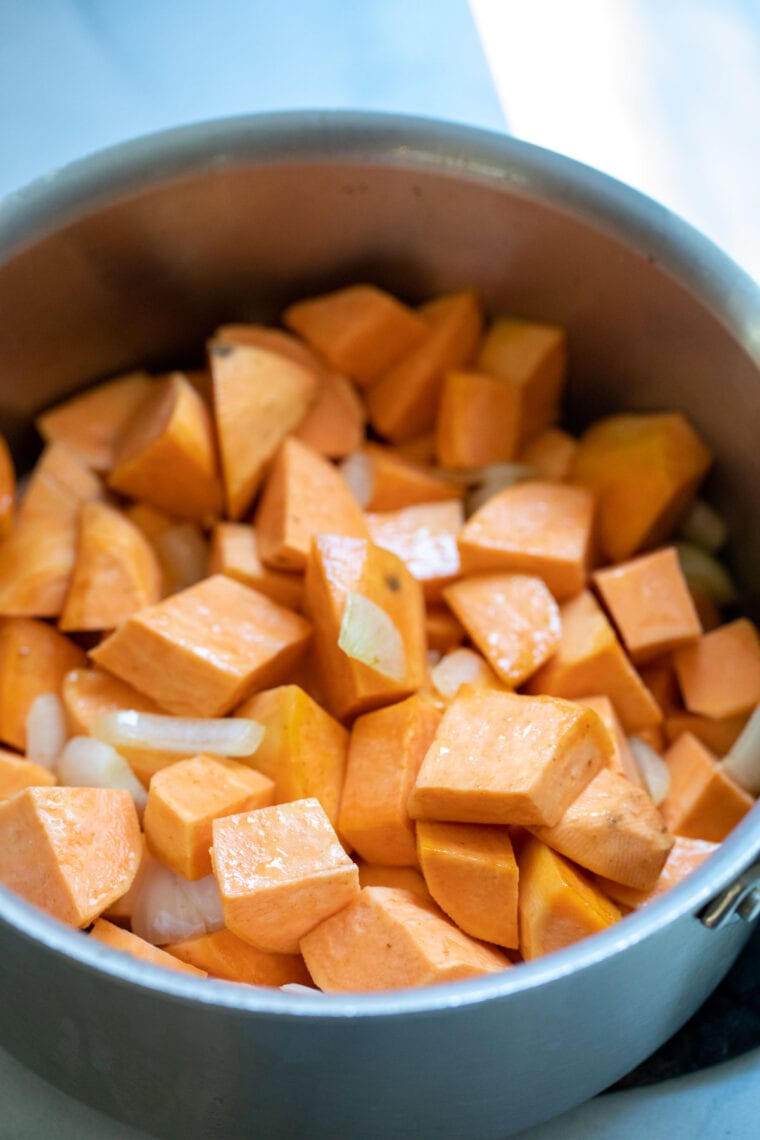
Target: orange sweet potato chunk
pixel 532 357
pixel 223 955
pixel 70 851
pixel 478 420
pixel 360 330
pixel 16 773
pixel 471 872
pixel 702 802
pixel 403 878
pixel 334 425
pixel 424 537
pixel 386 750
pixel 385 480
pixel 186 797
pixel 7 489
pixel 533 528
pixel 444 631
pixel 498 757
pixel 235 552
pixel 557 904
pixel 718 734
pixel 281 870
pixel 304 495
pixel 551 452
pixel 166 456
pixel 127 943
pixel 90 422
pixel 684 857
pixel 512 618
pixel 613 829
pixel 392 939
pixel 204 650
pixel 719 675
pixel 622 760
pixel 34 659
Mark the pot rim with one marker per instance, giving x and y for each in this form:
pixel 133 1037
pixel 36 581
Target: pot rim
pixel 467 154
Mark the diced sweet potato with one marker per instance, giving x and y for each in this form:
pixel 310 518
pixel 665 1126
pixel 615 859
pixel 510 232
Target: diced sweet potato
pixel 204 650
pixel 392 939
pixel 16 773
pixel 235 552
pixel 7 489
pixel 719 675
pixel 334 425
pixel 281 871
pixel 512 618
pixel 719 734
pixel 384 480
pixel 127 943
pixel 424 536
pixel 478 420
pixel 404 878
pixel 551 452
pixel 532 357
pixel 471 872
pixel 502 758
pixel 70 851
pixel 444 631
pixel 533 528
pixel 703 802
pixel 90 422
pixel 223 955
pixel 34 659
pixel 684 857
pixel 622 760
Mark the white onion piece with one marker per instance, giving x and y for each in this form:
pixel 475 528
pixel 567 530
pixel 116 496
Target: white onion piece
pixel 705 575
pixel 167 908
pixel 495 479
pixel 704 526
pixel 742 761
pixel 46 730
pixel 654 772
pixel 223 736
pixel 183 552
pixel 297 988
pixel 369 635
pixel 358 473
pixel 459 667
pixel 88 763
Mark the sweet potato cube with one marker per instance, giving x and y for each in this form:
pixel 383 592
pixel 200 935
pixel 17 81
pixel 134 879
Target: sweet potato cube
pixel 684 857
pixel 590 660
pixel 551 452
pixel 719 675
pixel 34 659
pixel 281 871
pixel 115 574
pixel 303 750
pixel 703 802
pixel 622 760
pixel 7 489
pixel 369 624
pixel 127 943
pixel 386 750
pixel 498 757
pixel 184 800
pixel 613 829
pixel 471 872
pixel 533 358
pixel 512 618
pixel 90 422
pixel 533 528
pixel 645 469
pixel 223 955
pixel 718 734
pixel 304 495
pixel 384 480
pixel 16 773
pixel 558 906
pixel 650 604
pixel 204 650
pixel 444 631
pixel 424 537
pixel 235 552
pixel 393 939
pixel 275 340
pixel 403 403
pixel 166 456
pixel 360 330
pixel 383 875
pixel 334 424
pixel 478 420
pixel 70 851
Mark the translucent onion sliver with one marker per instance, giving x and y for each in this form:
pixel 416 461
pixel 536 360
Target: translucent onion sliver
pixel 167 908
pixel 655 773
pixel 46 730
pixel 369 635
pixel 88 763
pixel 223 736
pixel 742 762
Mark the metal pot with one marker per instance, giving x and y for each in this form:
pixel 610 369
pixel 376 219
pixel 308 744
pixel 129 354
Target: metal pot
pixel 134 256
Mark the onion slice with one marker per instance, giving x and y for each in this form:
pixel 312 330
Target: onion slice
pixel 223 736
pixel 742 761
pixel 46 730
pixel 358 473
pixel 167 908
pixel 655 773
pixel 705 574
pixel 704 526
pixel 369 635
pixel 88 763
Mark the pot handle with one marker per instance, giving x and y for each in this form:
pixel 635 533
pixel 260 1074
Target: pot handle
pixel 739 902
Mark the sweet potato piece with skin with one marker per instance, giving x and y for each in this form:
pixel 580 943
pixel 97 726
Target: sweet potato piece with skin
pixel 532 357
pixel 166 455
pixel 684 857
pixel 16 773
pixel 424 537
pixel 361 330
pixel 719 675
pixel 127 943
pixel 305 495
pixel 223 955
pixel 471 872
pixel 591 660
pixel 703 802
pixel 185 798
pixel 512 618
pixel 478 420
pixel 259 397
pixel 303 750
pixel 235 552
pixel 384 480
pixel 281 871
pixel 392 939
pixel 622 760
pixel 7 489
pixel 384 756
pixel 115 574
pixel 558 906
pixel 650 604
pixel 613 829
pixel 70 851
pixel 204 650
pixel 498 757
pixel 34 659
pixel 403 403
pixel 533 528
pixel 90 422
pixel 551 452
pixel 339 569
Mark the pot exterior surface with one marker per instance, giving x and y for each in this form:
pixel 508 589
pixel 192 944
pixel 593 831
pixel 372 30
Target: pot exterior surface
pixel 133 258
